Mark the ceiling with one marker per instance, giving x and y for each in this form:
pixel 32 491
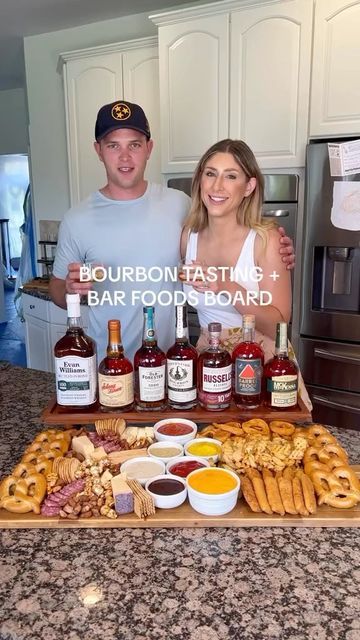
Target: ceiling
pixel 20 18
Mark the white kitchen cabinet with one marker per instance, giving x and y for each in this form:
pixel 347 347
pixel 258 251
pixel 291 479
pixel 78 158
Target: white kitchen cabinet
pixel 94 77
pixel 45 324
pixel 335 87
pixel 270 80
pixel 194 89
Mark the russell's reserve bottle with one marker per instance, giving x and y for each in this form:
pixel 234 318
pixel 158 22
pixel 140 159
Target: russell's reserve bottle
pixel 75 362
pixel 116 374
pixel 149 365
pixel 281 374
pixel 214 373
pixel 181 365
pixel 248 361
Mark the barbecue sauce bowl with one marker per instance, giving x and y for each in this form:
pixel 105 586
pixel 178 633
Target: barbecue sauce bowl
pixel 167 491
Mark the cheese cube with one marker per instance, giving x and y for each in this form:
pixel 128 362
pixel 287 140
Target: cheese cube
pixel 82 445
pixel 123 496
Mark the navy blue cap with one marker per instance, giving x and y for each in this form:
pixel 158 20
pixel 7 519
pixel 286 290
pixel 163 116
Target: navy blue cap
pixel 121 115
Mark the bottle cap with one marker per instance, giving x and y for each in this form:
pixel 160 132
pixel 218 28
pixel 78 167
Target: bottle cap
pixel 214 327
pixel 248 320
pixel 73 305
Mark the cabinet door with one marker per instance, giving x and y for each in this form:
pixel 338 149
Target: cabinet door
pixel 270 79
pixel 141 85
pixel 38 355
pixel 89 83
pixel 193 89
pixel 335 89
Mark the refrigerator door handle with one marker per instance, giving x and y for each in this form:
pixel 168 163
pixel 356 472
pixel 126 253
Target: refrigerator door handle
pixel 276 213
pixel 329 355
pixel 335 405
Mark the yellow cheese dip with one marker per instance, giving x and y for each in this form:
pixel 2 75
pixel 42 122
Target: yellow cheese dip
pixel 212 481
pixel 203 449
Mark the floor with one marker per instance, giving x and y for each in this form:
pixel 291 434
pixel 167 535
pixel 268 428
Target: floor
pixel 12 333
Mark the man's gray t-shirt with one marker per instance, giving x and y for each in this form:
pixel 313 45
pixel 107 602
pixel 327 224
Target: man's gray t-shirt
pixel 126 233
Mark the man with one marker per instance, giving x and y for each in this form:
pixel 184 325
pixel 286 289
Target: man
pixel 127 223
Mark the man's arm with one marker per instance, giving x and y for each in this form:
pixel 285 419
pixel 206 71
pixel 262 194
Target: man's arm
pixel 57 291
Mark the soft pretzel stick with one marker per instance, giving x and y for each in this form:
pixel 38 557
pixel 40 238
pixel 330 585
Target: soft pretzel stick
pixel 249 494
pixel 286 493
pixel 298 497
pixel 259 489
pixel 272 491
pixel 308 492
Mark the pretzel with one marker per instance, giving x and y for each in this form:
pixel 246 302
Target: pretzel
pixel 256 427
pixel 323 439
pixel 21 495
pixel 348 478
pixel 337 451
pixel 324 482
pixel 23 469
pixel 340 498
pixel 310 466
pixel 282 428
pixel 316 430
pixel 34 458
pixel 334 462
pixel 312 454
pixel 44 446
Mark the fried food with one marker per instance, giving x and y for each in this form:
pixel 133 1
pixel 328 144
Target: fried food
pixel 272 492
pixel 259 489
pixel 259 452
pixel 256 426
pixel 286 493
pixel 249 494
pixel 298 497
pixel 308 491
pixel 282 428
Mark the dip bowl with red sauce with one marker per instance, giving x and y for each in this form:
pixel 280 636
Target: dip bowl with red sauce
pixel 175 430
pixel 181 467
pixel 167 491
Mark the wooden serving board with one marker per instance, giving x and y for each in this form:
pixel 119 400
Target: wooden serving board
pixel 54 414
pixel 185 516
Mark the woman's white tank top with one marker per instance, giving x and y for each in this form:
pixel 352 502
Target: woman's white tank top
pixel 218 308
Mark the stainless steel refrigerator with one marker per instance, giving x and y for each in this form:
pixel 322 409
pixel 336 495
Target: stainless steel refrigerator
pixel 329 349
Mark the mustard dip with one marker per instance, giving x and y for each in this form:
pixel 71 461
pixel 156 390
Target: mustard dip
pixel 203 449
pixel 213 481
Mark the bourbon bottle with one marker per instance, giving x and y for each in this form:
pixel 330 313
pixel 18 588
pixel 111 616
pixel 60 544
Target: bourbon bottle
pixel 248 361
pixel 181 365
pixel 116 374
pixel 75 362
pixel 281 374
pixel 214 373
pixel 149 365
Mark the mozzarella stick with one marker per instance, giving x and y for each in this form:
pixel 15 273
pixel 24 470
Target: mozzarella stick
pixel 308 492
pixel 286 492
pixel 249 494
pixel 298 497
pixel 272 491
pixel 259 489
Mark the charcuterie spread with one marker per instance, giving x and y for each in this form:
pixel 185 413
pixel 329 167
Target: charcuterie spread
pixel 273 467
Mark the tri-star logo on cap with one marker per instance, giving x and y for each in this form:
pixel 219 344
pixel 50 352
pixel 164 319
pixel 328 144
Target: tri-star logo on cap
pixel 121 111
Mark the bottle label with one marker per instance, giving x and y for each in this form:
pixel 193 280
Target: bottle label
pixel 116 391
pixel 248 374
pixel 75 380
pixel 216 380
pixel 180 380
pixel 152 383
pixel 283 390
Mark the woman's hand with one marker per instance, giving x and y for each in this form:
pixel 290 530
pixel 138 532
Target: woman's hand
pixel 204 278
pixel 286 250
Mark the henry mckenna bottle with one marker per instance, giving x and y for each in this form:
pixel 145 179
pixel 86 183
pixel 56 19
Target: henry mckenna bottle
pixel 116 374
pixel 248 360
pixel 181 365
pixel 281 374
pixel 75 362
pixel 214 373
pixel 149 366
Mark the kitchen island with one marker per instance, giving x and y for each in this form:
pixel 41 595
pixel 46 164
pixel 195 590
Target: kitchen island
pixel 162 584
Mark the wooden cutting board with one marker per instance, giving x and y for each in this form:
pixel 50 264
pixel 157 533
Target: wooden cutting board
pixel 185 516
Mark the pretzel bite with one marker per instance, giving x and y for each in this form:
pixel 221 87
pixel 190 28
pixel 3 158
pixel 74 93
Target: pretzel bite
pixel 286 493
pixel 272 492
pixel 259 489
pixel 282 428
pixel 256 427
pixel 298 497
pixel 249 494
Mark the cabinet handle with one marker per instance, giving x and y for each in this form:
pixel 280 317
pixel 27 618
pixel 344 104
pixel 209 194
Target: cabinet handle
pixel 32 306
pixel 330 355
pixel 334 405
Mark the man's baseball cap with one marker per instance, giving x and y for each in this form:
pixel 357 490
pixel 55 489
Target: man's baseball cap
pixel 121 115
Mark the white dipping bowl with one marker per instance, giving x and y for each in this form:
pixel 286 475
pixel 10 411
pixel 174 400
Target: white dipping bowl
pixel 161 437
pixel 213 504
pixel 170 501
pixel 214 457
pixel 143 469
pixel 156 446
pixel 183 460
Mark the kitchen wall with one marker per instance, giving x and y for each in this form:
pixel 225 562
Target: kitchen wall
pixel 46 104
pixel 13 122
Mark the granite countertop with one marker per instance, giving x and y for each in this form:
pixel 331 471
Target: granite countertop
pixel 162 584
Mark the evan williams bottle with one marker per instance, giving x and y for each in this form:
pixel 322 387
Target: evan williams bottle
pixel 149 364
pixel 281 374
pixel 75 362
pixel 214 373
pixel 116 374
pixel 181 365
pixel 248 360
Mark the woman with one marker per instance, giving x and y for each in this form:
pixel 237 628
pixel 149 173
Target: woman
pixel 225 229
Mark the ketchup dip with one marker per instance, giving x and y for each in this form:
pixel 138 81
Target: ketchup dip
pixel 175 429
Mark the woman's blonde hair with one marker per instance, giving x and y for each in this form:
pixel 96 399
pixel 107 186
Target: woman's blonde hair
pixel 249 212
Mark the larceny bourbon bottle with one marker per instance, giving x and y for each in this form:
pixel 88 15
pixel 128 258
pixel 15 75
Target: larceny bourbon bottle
pixel 116 374
pixel 181 365
pixel 214 373
pixel 281 374
pixel 248 360
pixel 75 362
pixel 149 365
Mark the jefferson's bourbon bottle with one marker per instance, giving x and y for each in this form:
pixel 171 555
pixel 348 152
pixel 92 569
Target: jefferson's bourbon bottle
pixel 248 360
pixel 149 365
pixel 214 373
pixel 116 374
pixel 75 362
pixel 181 365
pixel 281 374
